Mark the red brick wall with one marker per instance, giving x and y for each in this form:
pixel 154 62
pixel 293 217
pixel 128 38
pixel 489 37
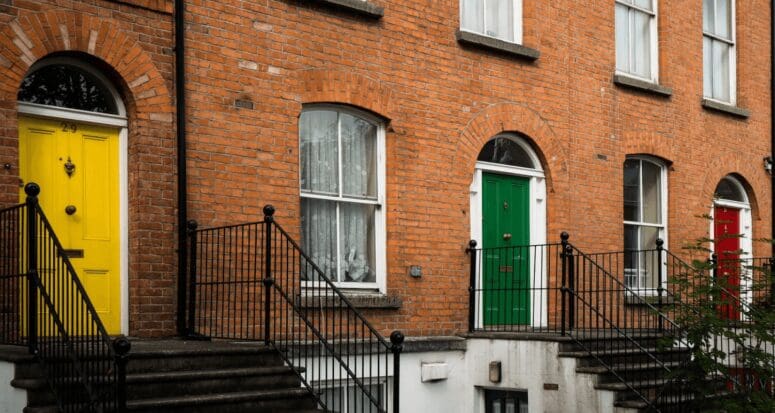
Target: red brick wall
pixel 443 102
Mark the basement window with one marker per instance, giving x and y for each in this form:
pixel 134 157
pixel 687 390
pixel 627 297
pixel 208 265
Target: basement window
pixel 505 401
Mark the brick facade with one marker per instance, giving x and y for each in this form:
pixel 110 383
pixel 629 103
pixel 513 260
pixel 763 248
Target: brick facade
pixel 441 102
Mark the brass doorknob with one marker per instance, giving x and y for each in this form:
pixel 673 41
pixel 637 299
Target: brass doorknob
pixel 70 209
pixel 507 236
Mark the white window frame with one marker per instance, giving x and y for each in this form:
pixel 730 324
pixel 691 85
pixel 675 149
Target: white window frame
pixel 732 42
pixel 517 22
pixel 653 40
pixel 662 228
pixel 379 204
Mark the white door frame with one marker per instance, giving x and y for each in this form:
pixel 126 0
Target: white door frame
pixel 746 239
pixel 116 121
pixel 537 212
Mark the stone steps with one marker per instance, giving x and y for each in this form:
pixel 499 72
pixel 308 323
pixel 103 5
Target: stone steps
pixel 190 376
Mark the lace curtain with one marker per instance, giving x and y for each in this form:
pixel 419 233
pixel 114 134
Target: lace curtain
pixel 338 232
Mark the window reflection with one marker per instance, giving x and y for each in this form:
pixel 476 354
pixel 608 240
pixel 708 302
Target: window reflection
pixel 67 86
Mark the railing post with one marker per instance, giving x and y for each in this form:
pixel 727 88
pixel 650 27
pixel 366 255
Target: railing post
pixel 472 286
pixel 268 280
pixel 32 190
pixel 660 281
pixel 397 339
pixel 771 274
pixel 192 245
pixel 564 287
pixel 121 347
pixel 571 287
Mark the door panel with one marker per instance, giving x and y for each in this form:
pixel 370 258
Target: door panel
pixel 46 149
pixel 726 237
pixel 506 240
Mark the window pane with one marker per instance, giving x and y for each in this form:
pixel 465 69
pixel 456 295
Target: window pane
pixel 333 397
pixel 319 152
pixel 631 258
pixel 622 38
pixel 359 157
pixel 631 191
pixel 641 44
pixel 499 19
pixel 727 189
pixel 707 66
pixel 645 4
pixel 473 15
pixel 67 86
pixel 505 151
pixel 648 241
pixel 358 402
pixel 721 70
pixel 723 23
pixel 652 190
pixel 708 16
pixel 357 238
pixel 510 406
pixel 318 236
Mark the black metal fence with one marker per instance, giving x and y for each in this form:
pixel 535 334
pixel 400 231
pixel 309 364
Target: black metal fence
pixel 624 309
pixel 516 288
pixel 44 306
pixel 253 282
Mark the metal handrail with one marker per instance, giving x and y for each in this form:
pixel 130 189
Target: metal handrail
pixel 245 283
pixel 53 316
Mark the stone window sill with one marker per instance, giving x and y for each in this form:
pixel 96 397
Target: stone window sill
pixel 363 8
pixel 726 108
pixel 643 300
pixel 491 43
pixel 642 85
pixel 358 300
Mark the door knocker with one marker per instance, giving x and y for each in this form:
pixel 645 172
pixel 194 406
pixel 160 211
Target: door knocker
pixel 69 167
pixel 505 205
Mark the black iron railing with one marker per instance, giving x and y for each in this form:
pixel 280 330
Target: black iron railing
pixel 516 288
pixel 45 307
pixel 253 282
pixel 556 288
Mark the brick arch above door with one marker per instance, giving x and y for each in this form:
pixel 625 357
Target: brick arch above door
pixel 32 37
pixel 511 117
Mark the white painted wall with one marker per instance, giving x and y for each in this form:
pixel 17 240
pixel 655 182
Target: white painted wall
pixel 12 400
pixel 526 365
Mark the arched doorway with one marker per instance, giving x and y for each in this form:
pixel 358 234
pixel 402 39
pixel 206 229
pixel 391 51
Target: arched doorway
pixel 508 213
pixel 72 141
pixel 732 241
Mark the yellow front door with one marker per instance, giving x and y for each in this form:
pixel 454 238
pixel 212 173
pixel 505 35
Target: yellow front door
pixel 76 166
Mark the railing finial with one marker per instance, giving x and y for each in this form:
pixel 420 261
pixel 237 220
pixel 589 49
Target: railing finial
pixel 397 338
pixel 268 213
pixel 564 236
pixel 32 189
pixel 660 243
pixel 192 225
pixel 471 245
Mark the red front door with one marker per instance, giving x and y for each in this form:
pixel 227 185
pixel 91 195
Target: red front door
pixel 726 223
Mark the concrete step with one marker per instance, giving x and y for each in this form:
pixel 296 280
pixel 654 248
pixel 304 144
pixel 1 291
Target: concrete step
pixel 197 382
pixel 180 355
pixel 261 401
pixel 627 355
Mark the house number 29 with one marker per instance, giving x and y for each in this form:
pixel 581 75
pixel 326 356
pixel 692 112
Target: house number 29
pixel 69 127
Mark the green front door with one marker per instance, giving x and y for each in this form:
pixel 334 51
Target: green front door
pixel 506 258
